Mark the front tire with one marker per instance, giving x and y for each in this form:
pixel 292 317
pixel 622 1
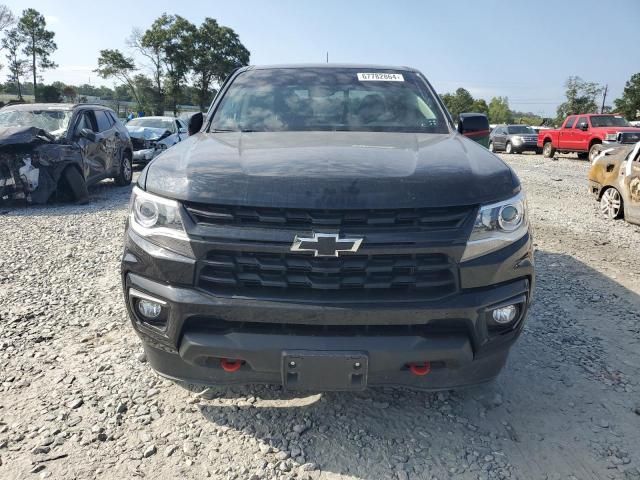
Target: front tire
pixel 125 171
pixel 74 183
pixel 611 204
pixel 594 151
pixel 548 151
pixel 508 148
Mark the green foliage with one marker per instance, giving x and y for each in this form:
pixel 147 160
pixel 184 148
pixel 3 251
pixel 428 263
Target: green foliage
pixel 217 52
pixel 581 98
pixel 459 102
pixel 113 64
pixel 480 106
pixel 629 103
pixel 38 41
pixel 171 39
pixel 499 111
pixel 17 66
pixel 48 94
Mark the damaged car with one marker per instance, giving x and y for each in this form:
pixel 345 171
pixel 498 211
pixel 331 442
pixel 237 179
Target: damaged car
pixel 614 179
pixel 56 151
pixel 153 135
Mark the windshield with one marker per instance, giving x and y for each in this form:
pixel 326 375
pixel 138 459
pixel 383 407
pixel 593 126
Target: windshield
pixel 520 129
pixel 164 123
pixel 608 121
pixel 55 122
pixel 328 99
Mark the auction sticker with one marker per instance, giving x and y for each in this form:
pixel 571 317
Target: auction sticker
pixel 380 77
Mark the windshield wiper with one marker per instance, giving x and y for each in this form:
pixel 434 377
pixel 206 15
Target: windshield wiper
pixel 217 130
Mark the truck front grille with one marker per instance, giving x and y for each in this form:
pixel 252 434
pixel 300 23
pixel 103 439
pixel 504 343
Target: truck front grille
pixel 352 276
pixel 363 221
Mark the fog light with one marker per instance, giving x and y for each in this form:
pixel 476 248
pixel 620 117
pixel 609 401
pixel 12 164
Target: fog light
pixel 149 309
pixel 504 315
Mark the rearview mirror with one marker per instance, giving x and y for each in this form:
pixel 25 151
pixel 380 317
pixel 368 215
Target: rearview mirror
pixel 88 134
pixel 475 126
pixel 195 123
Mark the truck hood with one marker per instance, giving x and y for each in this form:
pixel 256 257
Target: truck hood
pixel 338 170
pixel 617 129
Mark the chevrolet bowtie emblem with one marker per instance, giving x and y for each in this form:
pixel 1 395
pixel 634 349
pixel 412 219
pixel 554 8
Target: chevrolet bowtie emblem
pixel 325 244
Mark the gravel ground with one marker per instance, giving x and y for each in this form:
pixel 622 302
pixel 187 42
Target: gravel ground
pixel 78 401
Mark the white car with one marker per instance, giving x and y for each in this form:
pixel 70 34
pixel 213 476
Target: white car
pixel 150 136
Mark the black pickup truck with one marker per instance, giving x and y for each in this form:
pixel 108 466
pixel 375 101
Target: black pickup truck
pixel 329 228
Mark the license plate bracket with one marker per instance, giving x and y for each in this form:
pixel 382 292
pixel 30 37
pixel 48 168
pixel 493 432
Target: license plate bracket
pixel 324 370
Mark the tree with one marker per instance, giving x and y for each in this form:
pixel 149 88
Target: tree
pixel 172 38
pixel 17 66
pixel 499 111
pixel 458 103
pixel 39 42
pixel 151 49
pixel 217 52
pixel 629 103
pixel 113 64
pixel 6 18
pixel 480 106
pixel 70 93
pixel 581 98
pixel 49 94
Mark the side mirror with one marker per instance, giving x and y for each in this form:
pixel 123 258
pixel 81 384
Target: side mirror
pixel 182 130
pixel 475 126
pixel 88 134
pixel 584 127
pixel 195 123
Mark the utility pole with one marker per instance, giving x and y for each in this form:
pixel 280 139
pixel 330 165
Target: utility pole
pixel 604 97
pixel 327 57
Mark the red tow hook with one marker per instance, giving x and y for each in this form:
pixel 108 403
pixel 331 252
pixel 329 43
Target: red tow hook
pixel 230 365
pixel 420 369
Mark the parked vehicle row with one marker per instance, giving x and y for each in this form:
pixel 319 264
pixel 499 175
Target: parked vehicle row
pixel 49 150
pixel 56 151
pixel 586 134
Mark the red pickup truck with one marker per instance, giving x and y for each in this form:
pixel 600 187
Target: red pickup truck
pixel 585 134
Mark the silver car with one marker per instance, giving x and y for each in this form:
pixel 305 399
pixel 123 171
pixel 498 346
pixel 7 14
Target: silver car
pixel 513 139
pixel 151 136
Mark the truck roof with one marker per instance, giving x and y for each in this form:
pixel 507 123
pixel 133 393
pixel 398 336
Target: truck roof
pixel 330 66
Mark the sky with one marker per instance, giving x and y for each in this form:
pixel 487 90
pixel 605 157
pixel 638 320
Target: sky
pixel 522 50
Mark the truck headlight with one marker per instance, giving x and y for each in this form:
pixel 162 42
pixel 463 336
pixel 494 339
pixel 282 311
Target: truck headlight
pixel 496 226
pixel 517 139
pixel 611 137
pixel 159 220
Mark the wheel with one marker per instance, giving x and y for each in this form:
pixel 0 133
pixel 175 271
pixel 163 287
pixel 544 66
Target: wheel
pixel 508 148
pixel 594 151
pixel 611 203
pixel 125 172
pixel 74 183
pixel 583 155
pixel 547 150
pixel 491 149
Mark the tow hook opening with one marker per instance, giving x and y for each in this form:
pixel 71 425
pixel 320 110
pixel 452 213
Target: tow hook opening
pixel 230 365
pixel 420 368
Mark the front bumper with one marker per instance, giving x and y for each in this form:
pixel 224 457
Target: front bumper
pixel 144 155
pixel 525 146
pixel 452 334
